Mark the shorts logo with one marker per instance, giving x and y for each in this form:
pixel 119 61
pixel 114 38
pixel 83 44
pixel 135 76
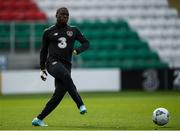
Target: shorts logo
pixel 69 33
pixel 55 62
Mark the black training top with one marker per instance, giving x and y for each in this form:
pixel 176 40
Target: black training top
pixel 58 44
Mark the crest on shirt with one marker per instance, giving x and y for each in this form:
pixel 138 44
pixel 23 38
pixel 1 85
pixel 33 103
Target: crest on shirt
pixel 69 33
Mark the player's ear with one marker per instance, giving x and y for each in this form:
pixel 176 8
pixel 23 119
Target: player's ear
pixel 56 14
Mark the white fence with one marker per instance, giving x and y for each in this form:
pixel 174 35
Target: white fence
pixel 28 81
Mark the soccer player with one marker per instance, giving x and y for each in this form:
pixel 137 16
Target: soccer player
pixel 55 57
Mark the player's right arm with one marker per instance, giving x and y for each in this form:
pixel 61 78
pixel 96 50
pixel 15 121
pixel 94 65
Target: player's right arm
pixel 43 55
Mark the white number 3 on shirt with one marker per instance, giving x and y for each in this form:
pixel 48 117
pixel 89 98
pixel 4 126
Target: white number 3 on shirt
pixel 62 42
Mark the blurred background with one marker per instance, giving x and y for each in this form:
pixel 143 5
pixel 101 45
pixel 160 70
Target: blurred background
pixel 135 45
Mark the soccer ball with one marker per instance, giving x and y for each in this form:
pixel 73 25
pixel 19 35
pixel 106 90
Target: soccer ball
pixel 160 116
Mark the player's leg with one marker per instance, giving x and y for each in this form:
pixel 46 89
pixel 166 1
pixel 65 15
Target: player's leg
pixel 56 98
pixel 63 73
pixel 52 103
pixel 72 90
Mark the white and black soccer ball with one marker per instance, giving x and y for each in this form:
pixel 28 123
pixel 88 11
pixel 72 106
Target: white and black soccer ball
pixel 160 116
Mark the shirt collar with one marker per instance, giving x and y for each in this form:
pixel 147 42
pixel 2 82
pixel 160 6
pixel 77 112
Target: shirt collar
pixel 59 26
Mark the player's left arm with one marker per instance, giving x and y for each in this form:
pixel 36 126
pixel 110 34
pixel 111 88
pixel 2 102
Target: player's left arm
pixel 84 43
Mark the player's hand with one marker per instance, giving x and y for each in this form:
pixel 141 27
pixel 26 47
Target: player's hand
pixel 43 75
pixel 74 52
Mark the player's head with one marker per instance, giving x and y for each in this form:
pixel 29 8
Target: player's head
pixel 62 15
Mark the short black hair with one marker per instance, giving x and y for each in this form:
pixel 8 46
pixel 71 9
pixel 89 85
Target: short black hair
pixel 60 9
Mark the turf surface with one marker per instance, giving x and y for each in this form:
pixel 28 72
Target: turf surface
pixel 106 111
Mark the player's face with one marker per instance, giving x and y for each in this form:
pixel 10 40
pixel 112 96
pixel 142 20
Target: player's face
pixel 62 16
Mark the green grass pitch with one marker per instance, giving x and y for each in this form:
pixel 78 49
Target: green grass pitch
pixel 106 111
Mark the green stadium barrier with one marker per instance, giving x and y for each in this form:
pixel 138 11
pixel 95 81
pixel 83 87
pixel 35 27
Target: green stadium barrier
pixel 4 27
pixel 113 43
pixel 4 34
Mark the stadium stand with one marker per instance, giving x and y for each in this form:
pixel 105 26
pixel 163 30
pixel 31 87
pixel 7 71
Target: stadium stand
pixel 124 34
pixel 22 10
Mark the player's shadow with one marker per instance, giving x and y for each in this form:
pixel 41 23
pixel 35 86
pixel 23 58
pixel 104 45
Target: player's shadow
pixel 164 128
pixel 89 127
